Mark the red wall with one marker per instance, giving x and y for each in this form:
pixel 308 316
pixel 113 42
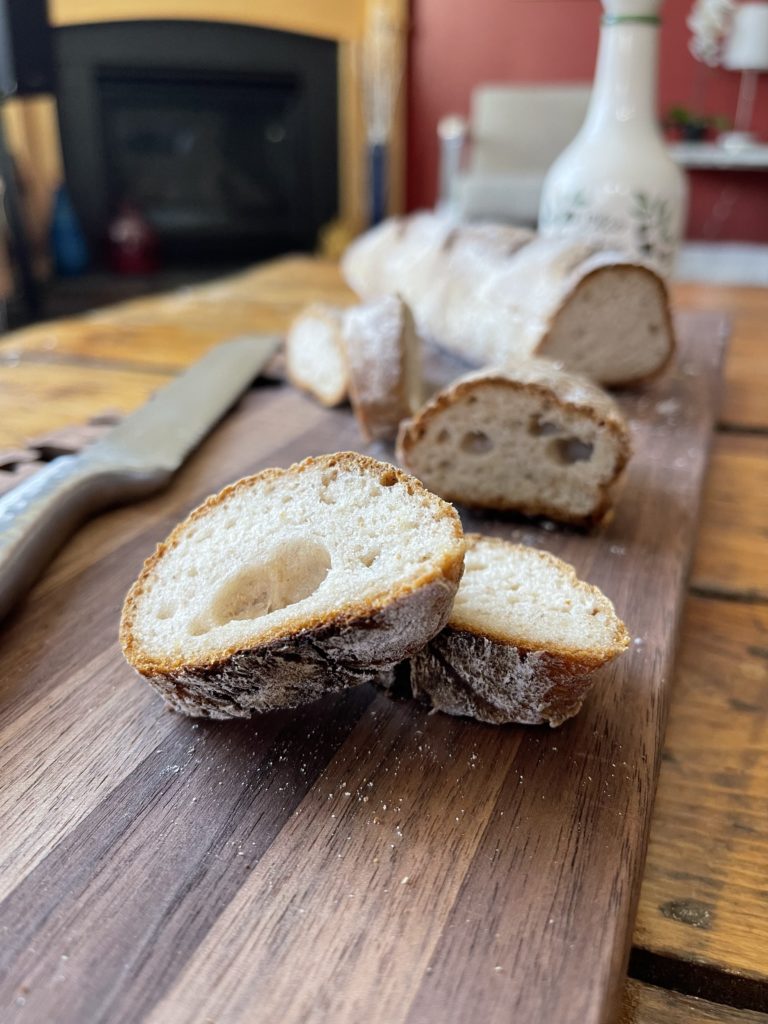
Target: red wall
pixel 456 44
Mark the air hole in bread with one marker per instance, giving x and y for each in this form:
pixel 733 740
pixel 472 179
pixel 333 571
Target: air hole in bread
pixel 327 498
pixel 370 557
pixel 293 573
pixel 230 523
pixel 192 571
pixel 538 427
pixel 166 611
pixel 476 442
pixel 442 437
pixel 388 478
pixel 570 450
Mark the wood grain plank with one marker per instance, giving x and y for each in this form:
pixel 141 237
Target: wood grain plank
pixel 156 863
pixel 143 891
pixel 746 370
pixel 704 896
pixel 164 346
pixel 732 547
pixel 746 376
pixel 375 820
pixel 647 1004
pixel 36 398
pixel 172 330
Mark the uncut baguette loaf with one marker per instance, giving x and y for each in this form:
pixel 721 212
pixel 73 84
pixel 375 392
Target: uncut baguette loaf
pixel 383 354
pixel 533 439
pixel 523 639
pixel 291 584
pixel 496 295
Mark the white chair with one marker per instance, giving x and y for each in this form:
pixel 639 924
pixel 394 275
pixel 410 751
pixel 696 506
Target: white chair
pixel 514 134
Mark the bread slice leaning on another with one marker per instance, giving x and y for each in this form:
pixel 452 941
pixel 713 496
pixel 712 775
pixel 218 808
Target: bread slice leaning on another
pixel 532 439
pixel 293 583
pixel 315 354
pixel 523 639
pixel 383 353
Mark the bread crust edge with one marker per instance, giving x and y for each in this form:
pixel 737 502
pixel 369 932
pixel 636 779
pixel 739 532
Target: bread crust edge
pixel 412 430
pixel 355 615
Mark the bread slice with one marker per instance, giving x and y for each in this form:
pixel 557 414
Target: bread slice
pixel 293 583
pixel 496 295
pixel 315 354
pixel 383 353
pixel 523 639
pixel 533 439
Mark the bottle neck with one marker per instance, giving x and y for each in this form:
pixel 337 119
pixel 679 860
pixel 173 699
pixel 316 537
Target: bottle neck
pixel 624 91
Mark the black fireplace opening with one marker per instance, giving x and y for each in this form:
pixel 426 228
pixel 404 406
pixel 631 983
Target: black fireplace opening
pixel 225 137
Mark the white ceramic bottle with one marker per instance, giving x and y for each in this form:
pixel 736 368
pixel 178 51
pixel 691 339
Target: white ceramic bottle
pixel 616 183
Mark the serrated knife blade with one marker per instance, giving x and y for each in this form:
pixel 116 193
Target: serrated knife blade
pixel 136 458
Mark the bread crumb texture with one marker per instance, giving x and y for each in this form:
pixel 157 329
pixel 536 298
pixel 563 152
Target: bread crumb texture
pixel 522 641
pixel 534 439
pixel 292 583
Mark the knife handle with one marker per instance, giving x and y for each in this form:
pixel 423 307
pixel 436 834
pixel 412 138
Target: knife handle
pixel 39 515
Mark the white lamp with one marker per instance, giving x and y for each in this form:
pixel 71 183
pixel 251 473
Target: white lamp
pixel 746 50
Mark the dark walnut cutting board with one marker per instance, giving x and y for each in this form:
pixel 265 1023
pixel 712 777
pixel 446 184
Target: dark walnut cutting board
pixel 358 859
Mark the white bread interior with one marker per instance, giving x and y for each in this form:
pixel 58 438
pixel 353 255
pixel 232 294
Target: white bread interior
pixel 522 641
pixel 292 583
pixel 534 439
pixel 315 354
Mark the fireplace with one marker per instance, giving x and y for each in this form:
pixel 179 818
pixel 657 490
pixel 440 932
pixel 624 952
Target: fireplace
pixel 224 136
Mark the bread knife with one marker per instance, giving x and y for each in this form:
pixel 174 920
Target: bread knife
pixel 135 459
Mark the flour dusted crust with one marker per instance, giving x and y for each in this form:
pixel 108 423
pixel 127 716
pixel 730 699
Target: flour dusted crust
pixel 461 673
pixel 556 389
pixel 384 365
pixel 306 656
pixel 496 295
pixel 500 677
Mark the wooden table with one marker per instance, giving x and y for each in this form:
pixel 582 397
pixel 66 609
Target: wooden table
pixel 702 925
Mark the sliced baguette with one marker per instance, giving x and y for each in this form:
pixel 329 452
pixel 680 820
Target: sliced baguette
pixel 315 354
pixel 523 639
pixel 533 439
pixel 293 583
pixel 496 295
pixel 383 354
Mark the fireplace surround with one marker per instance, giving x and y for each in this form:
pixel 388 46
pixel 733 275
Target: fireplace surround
pixel 224 136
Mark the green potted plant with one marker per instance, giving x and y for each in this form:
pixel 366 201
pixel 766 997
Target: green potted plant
pixel 689 126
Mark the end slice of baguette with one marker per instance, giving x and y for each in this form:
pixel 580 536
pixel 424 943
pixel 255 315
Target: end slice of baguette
pixel 531 438
pixel 522 641
pixel 383 352
pixel 315 354
pixel 293 583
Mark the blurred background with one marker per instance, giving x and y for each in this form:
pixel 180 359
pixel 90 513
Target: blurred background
pixel 147 143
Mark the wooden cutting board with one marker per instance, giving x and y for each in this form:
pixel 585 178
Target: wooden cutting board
pixel 357 859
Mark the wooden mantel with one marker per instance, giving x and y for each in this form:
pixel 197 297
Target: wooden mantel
pixel 332 19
